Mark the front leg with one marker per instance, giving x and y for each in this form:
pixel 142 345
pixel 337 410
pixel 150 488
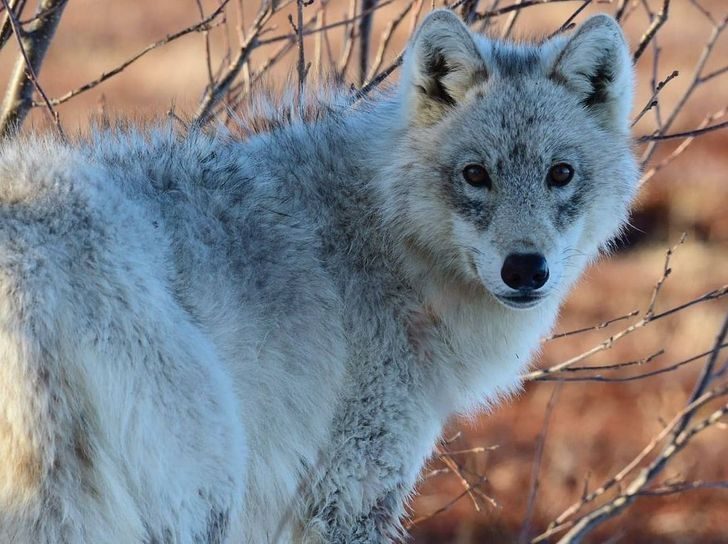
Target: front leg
pixel 336 523
pixel 383 435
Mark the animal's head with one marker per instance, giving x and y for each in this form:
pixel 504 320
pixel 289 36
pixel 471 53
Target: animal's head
pixel 516 165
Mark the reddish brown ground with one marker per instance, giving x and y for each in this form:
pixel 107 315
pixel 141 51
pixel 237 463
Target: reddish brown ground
pixel 595 428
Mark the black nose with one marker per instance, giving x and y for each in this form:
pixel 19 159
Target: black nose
pixel 525 271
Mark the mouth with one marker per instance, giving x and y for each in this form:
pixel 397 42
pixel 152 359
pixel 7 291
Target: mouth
pixel 521 301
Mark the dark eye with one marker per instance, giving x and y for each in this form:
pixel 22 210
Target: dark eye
pixel 560 174
pixel 477 176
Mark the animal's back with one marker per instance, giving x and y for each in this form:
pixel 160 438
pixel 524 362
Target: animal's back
pixel 138 273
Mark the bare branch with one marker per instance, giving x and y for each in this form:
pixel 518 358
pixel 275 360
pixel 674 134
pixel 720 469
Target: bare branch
pixel 6 29
pixel 695 82
pixel 208 52
pixel 455 468
pixel 446 507
pixel 681 487
pixel 561 523
pixel 469 451
pixel 33 44
pixel 536 468
pixel 385 40
pixel 686 134
pixel 301 65
pixel 380 77
pixel 215 94
pixel 621 9
pixel 365 32
pixel 609 342
pixel 602 325
pixel 648 316
pixel 703 11
pixel 714 74
pixel 349 37
pixel 568 24
pixel 666 271
pixel 652 102
pixel 620 366
pixel 511 21
pixel 203 25
pixel 657 22
pixel 352 17
pixel 679 150
pixel 589 522
pixel 516 7
pixel 679 436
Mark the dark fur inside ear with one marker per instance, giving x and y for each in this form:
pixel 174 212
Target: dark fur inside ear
pixel 596 66
pixel 441 65
pixel 601 80
pixel 437 69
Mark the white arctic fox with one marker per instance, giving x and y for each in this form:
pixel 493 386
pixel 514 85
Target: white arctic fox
pixel 205 339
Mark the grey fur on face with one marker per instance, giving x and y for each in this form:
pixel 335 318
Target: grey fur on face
pixel 206 339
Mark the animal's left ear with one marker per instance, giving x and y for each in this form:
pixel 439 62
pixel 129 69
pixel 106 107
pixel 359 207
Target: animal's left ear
pixel 441 64
pixel 596 64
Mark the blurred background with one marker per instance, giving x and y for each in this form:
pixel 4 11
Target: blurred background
pixel 513 471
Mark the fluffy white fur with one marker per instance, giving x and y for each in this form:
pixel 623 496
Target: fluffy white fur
pixel 205 339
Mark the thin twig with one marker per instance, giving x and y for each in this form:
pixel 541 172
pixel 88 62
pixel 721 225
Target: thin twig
pixel 33 44
pixel 609 342
pixel 680 135
pixel 569 22
pixel 561 523
pixel 365 32
pixel 678 434
pixel 679 150
pixel 470 451
pixel 536 468
pixel 621 9
pixel 447 506
pixel 215 94
pixel 622 379
pixel 666 271
pixel 197 27
pixel 301 64
pixel 349 36
pixel 511 21
pixel 681 487
pixel 6 29
pixel 703 11
pixel 652 102
pixel 651 32
pixel 380 77
pixel 346 22
pixel 589 522
pixel 385 40
pixel 208 52
pixel 601 325
pixel 692 86
pixel 516 7
pixel 455 468
pixel 415 16
pixel 648 316
pixel 713 74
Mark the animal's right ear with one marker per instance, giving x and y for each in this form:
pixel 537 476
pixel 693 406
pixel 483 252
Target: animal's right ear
pixel 596 65
pixel 441 64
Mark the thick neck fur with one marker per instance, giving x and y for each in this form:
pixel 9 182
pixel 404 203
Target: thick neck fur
pixel 466 341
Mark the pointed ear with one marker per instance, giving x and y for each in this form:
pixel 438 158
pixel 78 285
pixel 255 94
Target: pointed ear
pixel 441 64
pixel 596 64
